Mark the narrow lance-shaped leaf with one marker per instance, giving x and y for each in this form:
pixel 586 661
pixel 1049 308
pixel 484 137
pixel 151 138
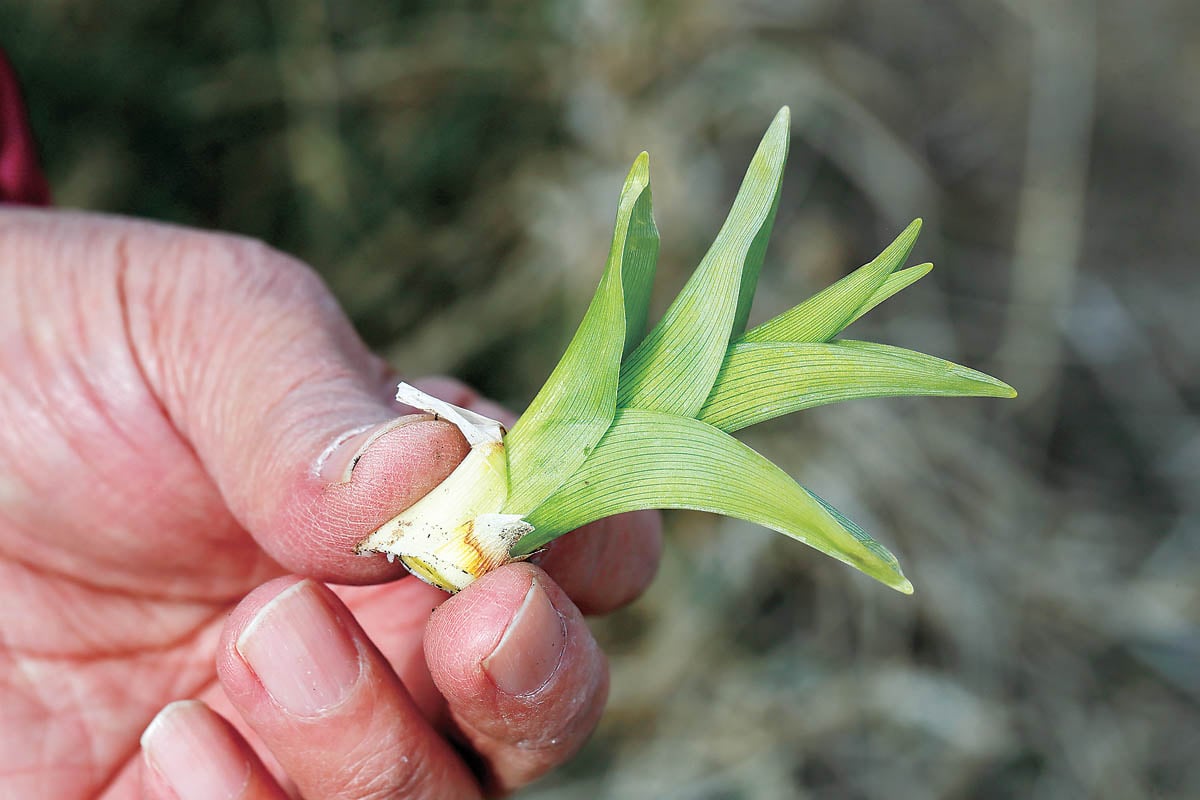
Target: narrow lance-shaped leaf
pixel 639 259
pixel 764 380
pixel 578 401
pixel 822 316
pixel 673 368
pixel 653 460
pixel 753 262
pixel 898 281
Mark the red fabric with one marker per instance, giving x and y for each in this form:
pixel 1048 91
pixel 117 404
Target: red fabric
pixel 21 179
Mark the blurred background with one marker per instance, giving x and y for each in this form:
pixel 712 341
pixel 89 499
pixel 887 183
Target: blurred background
pixel 452 169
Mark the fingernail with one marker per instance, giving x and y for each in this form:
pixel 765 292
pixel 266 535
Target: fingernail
pixel 336 464
pixel 300 652
pixel 191 752
pixel 531 648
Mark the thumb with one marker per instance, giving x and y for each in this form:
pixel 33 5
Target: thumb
pixel 261 372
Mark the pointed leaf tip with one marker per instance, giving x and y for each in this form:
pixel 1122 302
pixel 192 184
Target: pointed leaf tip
pixel 577 403
pixel 897 281
pixel 640 171
pixel 825 314
pixel 762 380
pixel 652 460
pixel 908 236
pixel 673 368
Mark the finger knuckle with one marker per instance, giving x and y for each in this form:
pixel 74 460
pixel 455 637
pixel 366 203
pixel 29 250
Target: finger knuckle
pixel 386 773
pixel 244 263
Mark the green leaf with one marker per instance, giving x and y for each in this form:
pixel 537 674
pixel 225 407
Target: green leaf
pixel 822 316
pixel 639 256
pixel 673 368
pixel 857 532
pixel 752 264
pixel 764 380
pixel 576 405
pixel 653 460
pixel 897 281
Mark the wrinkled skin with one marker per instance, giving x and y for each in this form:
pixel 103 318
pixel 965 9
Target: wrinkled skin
pixel 166 397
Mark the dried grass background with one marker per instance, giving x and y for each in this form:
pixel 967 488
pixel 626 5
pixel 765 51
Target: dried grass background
pixel 453 168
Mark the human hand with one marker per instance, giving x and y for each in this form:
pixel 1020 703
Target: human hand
pixel 169 402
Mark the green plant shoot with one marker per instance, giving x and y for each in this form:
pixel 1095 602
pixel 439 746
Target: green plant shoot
pixel 628 421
